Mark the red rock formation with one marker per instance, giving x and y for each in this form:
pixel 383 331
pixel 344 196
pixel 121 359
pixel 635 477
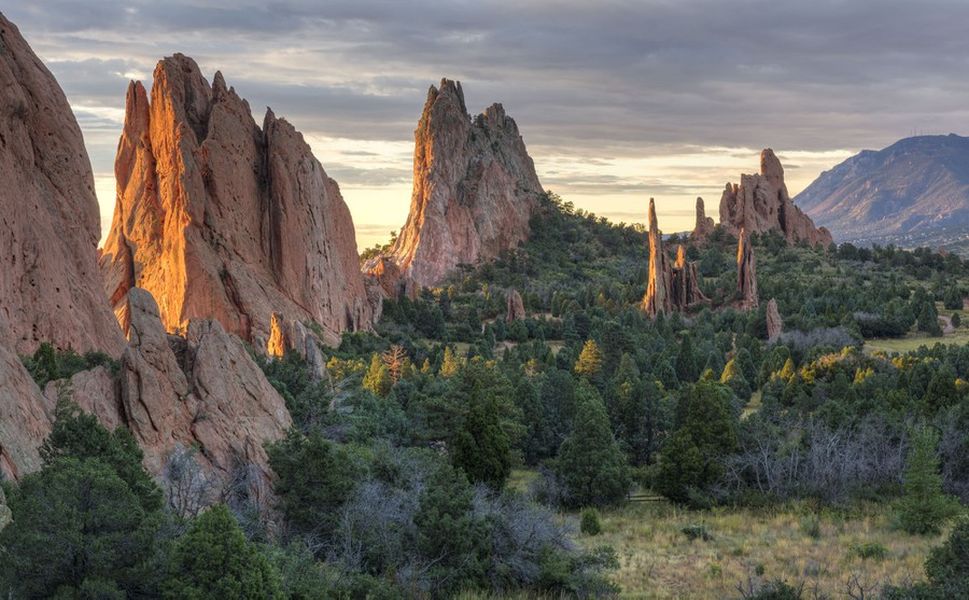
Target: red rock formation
pixel 775 325
pixel 761 204
pixel 50 288
pixel 475 189
pixel 746 273
pixel 516 306
pixel 685 282
pixel 658 298
pixel 24 418
pixel 704 224
pixel 202 391
pixel 221 219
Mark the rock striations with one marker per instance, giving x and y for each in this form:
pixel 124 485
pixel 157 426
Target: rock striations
pixel 669 287
pixel 219 218
pixel 760 204
pixel 50 289
pixel 746 273
pixel 475 190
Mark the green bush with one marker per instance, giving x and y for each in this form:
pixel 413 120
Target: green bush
pixel 923 508
pixel 868 551
pixel 811 526
pixel 697 532
pixel 589 522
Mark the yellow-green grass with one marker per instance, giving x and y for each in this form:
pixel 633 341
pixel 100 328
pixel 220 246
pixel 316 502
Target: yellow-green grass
pixel 657 560
pixel 913 342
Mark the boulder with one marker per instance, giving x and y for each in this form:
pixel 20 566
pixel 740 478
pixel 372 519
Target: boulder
pixel 50 287
pixel 475 190
pixel 221 219
pixel 760 204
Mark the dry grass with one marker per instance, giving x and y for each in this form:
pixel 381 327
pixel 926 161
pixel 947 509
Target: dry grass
pixel 659 561
pixel 914 340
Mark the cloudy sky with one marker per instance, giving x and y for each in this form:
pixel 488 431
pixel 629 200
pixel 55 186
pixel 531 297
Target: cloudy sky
pixel 617 101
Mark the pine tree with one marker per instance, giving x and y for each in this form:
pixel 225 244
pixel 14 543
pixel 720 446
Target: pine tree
pixel 482 448
pixel 451 363
pixel 924 507
pixel 378 379
pixel 213 560
pixel 590 464
pixel 590 360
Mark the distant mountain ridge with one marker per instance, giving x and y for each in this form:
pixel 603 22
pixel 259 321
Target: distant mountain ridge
pixel 912 193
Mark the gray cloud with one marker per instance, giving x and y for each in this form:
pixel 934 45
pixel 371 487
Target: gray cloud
pixel 586 79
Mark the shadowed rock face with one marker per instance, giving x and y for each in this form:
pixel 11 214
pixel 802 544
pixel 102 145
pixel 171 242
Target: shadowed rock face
pixel 515 306
pixel 760 204
pixel 50 288
pixel 24 418
pixel 475 189
pixel 746 273
pixel 221 219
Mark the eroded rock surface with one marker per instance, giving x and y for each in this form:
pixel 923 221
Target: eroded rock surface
pixel 704 224
pixel 685 282
pixel 50 288
pixel 746 273
pixel 24 418
pixel 669 287
pixel 515 306
pixel 221 219
pixel 775 325
pixel 760 204
pixel 475 190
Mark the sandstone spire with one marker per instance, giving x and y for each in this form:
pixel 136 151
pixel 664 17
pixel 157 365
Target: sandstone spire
pixel 685 282
pixel 515 306
pixel 219 218
pixel 50 288
pixel 775 325
pixel 761 204
pixel 704 224
pixel 475 190
pixel 746 273
pixel 658 298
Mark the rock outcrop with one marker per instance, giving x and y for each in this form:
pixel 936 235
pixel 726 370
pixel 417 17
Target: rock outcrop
pixel 760 204
pixel 200 391
pixel 50 288
pixel 475 190
pixel 775 326
pixel 5 515
pixel 515 306
pixel 669 287
pixel 704 224
pixel 24 418
pixel 658 298
pixel 685 282
pixel 746 273
pixel 221 219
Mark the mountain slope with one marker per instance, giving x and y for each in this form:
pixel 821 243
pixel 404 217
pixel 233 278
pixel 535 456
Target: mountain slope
pixel 915 192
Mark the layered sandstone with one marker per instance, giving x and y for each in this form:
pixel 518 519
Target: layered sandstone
pixel 50 288
pixel 669 287
pixel 475 190
pixel 704 225
pixel 760 204
pixel 746 273
pixel 222 219
pixel 775 325
pixel 515 306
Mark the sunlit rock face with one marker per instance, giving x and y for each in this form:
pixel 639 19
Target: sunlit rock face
pixel 475 189
pixel 50 287
pixel 669 286
pixel 746 273
pixel 221 219
pixel 760 204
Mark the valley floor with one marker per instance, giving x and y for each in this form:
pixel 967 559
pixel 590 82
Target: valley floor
pixel 659 561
